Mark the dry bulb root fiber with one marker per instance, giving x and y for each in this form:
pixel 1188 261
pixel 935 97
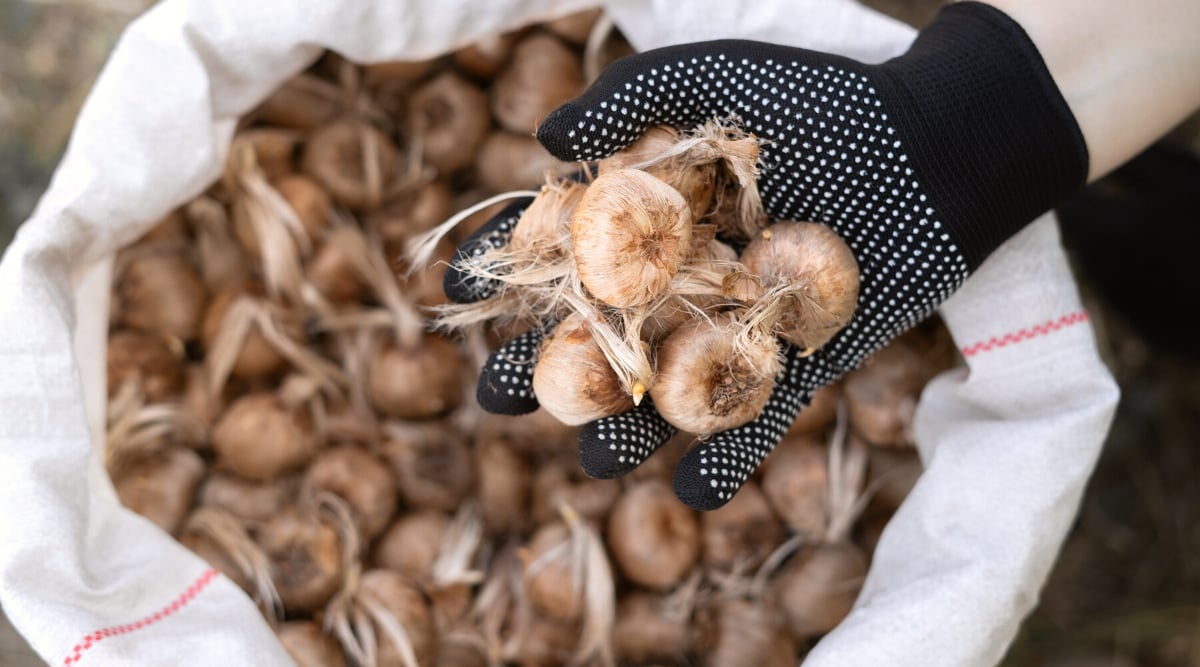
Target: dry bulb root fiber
pixel 353 160
pixel 309 646
pixel 362 479
pixel 636 253
pixel 306 559
pixel 146 360
pixel 280 403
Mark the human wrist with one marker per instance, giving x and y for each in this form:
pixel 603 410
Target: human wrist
pixel 1128 76
pixel 987 132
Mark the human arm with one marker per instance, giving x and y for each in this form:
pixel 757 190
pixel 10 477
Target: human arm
pixel 1127 71
pixel 924 164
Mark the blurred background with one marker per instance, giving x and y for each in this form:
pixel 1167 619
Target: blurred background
pixel 1126 590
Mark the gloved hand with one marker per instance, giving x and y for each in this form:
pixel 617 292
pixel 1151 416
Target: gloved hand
pixel 923 165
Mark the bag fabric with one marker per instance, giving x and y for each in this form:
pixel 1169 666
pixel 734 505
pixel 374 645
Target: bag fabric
pixel 1008 441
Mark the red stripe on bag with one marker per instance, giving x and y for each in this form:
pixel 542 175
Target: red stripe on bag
pixel 1025 334
pixel 178 603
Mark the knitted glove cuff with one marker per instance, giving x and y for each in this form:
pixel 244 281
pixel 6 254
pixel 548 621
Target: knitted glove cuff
pixel 987 130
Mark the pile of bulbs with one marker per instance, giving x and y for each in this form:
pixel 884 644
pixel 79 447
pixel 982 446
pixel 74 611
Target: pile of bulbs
pixel 279 402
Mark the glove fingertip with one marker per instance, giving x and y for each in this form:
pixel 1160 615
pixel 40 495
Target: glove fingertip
pixel 707 478
pixel 560 133
pixel 504 398
pixel 506 379
pixel 462 287
pixel 615 446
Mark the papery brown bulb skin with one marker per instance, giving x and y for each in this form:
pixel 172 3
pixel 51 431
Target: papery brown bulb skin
pixel 406 604
pixel 536 434
pixel 655 141
pixel 454 652
pixel 749 634
pixel 882 414
pixel 173 227
pixel 163 293
pixel 256 358
pixel 485 58
pixel 432 466
pixel 818 589
pixel 273 149
pixel 795 480
pixel 303 102
pixel 310 202
pixel 814 257
pixel 543 74
pixel 403 71
pixel 146 360
pixel 646 634
pixel 893 472
pixel 464 199
pixel 330 271
pixel 338 156
pixel 697 182
pixel 425 287
pixel 358 476
pixel 412 543
pixel 573 380
pixel 306 559
pixel 161 486
pixel 214 555
pixel 503 485
pixel 562 481
pixel 816 418
pixel 309 646
pixel 705 384
pixel 424 382
pixel 548 216
pixel 547 643
pixel 882 394
pixel 509 161
pixel 197 402
pixel 548 581
pixel 259 438
pixel 654 538
pixel 413 213
pixel 630 235
pixel 668 317
pixel 244 498
pixel 448 118
pixel 743 532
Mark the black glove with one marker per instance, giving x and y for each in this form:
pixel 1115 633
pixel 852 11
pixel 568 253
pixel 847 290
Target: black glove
pixel 923 165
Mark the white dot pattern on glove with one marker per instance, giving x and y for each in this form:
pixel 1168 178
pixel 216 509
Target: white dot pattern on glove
pixel 463 287
pixel 498 236
pixel 830 155
pixel 506 381
pixel 712 473
pixel 613 446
